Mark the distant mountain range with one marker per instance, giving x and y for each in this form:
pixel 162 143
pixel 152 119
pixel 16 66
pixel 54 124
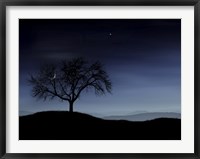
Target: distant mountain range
pixel 134 116
pixel 144 116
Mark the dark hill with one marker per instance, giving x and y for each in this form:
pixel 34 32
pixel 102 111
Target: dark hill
pixel 62 125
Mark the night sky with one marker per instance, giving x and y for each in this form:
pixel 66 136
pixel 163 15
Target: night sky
pixel 142 58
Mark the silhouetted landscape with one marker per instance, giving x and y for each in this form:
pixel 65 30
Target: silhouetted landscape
pixel 63 125
pixel 100 79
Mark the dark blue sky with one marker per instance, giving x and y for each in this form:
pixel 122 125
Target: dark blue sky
pixel 142 58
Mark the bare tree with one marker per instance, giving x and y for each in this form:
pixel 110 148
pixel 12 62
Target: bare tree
pixel 69 80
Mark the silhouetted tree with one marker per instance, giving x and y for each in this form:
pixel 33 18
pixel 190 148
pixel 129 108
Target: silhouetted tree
pixel 69 80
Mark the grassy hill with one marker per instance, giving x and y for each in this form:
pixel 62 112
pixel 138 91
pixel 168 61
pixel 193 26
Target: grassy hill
pixel 63 125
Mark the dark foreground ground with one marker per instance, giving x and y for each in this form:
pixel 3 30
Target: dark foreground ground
pixel 78 126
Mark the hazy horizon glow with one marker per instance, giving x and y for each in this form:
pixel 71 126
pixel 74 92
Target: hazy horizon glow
pixel 142 58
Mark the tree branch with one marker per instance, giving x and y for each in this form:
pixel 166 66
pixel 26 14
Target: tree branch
pixel 64 90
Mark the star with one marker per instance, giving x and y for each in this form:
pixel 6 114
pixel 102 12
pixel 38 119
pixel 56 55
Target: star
pixel 110 34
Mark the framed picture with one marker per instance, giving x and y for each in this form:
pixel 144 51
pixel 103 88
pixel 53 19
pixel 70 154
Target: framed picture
pixel 106 79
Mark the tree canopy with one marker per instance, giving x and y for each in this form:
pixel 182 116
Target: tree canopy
pixel 69 79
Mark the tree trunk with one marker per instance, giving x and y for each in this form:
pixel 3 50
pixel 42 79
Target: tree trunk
pixel 70 107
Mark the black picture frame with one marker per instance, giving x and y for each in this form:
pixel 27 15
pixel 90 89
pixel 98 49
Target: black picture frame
pixel 4 3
